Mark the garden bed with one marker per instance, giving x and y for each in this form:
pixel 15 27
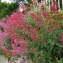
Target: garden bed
pixel 34 35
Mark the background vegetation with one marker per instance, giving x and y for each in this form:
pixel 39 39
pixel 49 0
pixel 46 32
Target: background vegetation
pixel 7 9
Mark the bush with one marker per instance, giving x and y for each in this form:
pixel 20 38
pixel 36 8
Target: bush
pixel 38 35
pixel 7 9
pixel 44 33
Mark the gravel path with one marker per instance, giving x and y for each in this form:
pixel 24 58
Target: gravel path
pixel 14 60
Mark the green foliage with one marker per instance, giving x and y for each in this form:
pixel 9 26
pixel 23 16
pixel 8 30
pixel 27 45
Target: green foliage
pixel 7 9
pixel 50 50
pixel 8 43
pixel 59 61
pixel 8 47
pixel 1 52
pixel 29 3
pixel 61 12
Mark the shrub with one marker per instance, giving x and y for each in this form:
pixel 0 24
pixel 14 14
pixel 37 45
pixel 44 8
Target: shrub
pixel 44 33
pixel 7 9
pixel 39 34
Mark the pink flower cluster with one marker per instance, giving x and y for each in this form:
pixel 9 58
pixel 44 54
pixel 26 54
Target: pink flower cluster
pixel 3 31
pixel 18 29
pixel 53 25
pixel 55 7
pixel 46 15
pixel 19 47
pixel 36 18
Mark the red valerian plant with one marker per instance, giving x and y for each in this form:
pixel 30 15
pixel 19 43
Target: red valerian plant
pixel 36 35
pixel 15 27
pixel 55 7
pixel 28 33
pixel 36 18
pixel 11 29
pixel 20 25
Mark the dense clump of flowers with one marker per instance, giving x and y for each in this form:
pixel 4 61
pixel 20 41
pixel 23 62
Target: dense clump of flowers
pixel 38 34
pixel 37 18
pixel 26 36
pixel 15 27
pixel 55 7
pixel 18 30
pixel 18 46
pixel 17 24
